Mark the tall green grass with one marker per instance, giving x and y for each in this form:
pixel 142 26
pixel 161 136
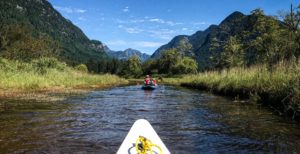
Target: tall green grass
pixel 279 84
pixel 48 73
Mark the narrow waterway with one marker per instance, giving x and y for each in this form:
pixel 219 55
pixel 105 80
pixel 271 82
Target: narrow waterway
pixel 188 121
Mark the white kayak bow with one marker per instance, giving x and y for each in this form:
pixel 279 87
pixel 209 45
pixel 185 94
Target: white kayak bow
pixel 142 139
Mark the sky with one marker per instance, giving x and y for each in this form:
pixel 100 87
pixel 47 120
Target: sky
pixel 145 25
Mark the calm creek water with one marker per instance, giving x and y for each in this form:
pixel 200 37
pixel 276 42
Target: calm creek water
pixel 187 121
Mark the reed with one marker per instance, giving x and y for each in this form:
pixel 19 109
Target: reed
pixel 278 86
pixel 48 73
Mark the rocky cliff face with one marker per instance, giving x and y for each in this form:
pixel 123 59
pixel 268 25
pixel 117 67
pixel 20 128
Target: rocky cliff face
pixel 124 55
pixel 199 44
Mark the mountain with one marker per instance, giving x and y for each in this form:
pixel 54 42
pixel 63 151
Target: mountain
pixel 44 20
pixel 124 55
pixel 199 44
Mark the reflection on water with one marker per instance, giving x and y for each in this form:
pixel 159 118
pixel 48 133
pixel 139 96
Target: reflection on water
pixel 187 121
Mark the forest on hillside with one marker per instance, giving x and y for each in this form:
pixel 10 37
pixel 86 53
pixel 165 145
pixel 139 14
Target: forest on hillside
pixel 240 42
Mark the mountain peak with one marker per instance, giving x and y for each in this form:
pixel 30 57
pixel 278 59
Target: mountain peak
pixel 198 45
pixel 236 13
pixel 130 49
pixel 124 55
pixel 233 16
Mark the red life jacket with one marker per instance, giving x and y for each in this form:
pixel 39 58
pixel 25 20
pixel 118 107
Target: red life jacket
pixel 147 81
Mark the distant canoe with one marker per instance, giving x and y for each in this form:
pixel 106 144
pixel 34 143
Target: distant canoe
pixel 149 87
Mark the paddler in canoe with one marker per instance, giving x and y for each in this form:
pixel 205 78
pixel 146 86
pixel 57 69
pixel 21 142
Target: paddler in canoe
pixel 147 80
pixel 149 83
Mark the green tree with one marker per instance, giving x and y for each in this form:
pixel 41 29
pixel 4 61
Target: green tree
pixel 292 18
pixel 233 54
pixel 268 44
pixel 94 66
pixel 186 65
pixel 114 66
pixel 292 34
pixel 134 66
pixel 169 59
pixel 215 48
pixel 150 66
pixel 172 62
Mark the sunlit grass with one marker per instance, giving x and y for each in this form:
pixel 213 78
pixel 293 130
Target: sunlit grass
pixel 27 76
pixel 282 81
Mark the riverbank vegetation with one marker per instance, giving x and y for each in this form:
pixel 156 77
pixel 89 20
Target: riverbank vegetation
pixel 171 62
pixel 48 74
pixel 278 88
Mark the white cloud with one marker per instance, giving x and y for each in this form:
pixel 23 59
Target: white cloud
pixel 157 20
pixel 147 44
pixel 116 42
pixel 130 30
pixel 149 20
pixel 137 21
pixel 126 9
pixel 184 29
pixel 133 21
pixel 165 34
pixel 69 9
pixel 80 10
pixel 133 30
pixel 162 21
pixel 171 23
pixel 199 23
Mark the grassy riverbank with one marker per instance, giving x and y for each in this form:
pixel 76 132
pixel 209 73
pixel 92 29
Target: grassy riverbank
pixel 278 87
pixel 49 75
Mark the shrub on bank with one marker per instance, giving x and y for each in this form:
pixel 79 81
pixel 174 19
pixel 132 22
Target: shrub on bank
pixel 81 68
pixel 43 64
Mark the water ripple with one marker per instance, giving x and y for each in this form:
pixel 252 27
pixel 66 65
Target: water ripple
pixel 187 121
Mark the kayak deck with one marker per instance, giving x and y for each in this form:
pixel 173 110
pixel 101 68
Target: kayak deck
pixel 139 132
